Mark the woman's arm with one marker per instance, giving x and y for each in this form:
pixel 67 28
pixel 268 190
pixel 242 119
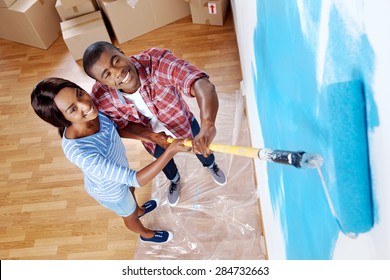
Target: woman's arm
pixel 143 133
pixel 147 173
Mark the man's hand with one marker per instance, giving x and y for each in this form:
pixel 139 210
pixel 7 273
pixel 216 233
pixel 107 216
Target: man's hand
pixel 202 141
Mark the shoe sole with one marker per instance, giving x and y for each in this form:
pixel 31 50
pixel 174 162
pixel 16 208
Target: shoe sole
pixel 221 184
pixel 173 204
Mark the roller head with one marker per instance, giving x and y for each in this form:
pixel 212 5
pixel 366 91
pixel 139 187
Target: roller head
pixel 298 159
pixel 348 167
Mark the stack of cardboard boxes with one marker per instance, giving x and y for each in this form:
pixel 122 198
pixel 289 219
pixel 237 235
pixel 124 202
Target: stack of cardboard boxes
pixel 31 22
pixel 39 22
pixel 82 24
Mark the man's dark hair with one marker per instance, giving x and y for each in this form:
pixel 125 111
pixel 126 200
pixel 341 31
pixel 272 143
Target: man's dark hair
pixel 93 53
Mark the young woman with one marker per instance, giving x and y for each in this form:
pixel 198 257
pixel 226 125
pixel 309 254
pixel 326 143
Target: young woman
pixel 90 141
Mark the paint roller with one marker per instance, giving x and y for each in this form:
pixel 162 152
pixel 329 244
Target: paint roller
pixel 347 163
pixel 299 159
pixel 348 187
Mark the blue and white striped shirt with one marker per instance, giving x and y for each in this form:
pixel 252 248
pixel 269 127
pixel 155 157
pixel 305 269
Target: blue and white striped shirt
pixel 102 159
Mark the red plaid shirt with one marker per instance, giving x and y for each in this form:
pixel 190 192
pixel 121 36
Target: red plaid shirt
pixel 164 78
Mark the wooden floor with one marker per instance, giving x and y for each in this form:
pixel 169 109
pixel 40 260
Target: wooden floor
pixel 44 210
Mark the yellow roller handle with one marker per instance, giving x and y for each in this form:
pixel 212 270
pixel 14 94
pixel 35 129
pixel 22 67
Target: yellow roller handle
pixel 226 149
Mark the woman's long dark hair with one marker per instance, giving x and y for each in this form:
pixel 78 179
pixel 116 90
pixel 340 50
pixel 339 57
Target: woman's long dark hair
pixel 42 101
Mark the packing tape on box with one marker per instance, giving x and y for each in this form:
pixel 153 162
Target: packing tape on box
pixel 81 24
pixel 197 2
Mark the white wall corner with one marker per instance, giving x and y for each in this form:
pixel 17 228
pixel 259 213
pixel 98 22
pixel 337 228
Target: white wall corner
pixel 242 88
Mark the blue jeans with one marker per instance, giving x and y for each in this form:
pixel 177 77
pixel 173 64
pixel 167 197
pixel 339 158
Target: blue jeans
pixel 170 170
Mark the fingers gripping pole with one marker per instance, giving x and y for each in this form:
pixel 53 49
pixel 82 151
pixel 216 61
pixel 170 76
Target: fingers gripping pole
pixel 227 149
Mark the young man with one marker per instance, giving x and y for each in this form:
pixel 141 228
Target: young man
pixel 142 94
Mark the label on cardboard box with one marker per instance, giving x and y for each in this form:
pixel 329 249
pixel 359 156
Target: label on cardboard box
pixel 212 8
pixel 213 13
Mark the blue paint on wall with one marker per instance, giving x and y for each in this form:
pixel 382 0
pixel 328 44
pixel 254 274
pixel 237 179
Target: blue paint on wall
pixel 289 107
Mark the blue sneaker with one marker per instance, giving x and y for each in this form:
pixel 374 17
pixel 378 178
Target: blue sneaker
pixel 160 236
pixel 149 206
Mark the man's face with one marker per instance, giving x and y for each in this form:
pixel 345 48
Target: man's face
pixel 115 70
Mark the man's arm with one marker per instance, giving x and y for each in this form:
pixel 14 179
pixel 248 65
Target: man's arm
pixel 143 133
pixel 207 99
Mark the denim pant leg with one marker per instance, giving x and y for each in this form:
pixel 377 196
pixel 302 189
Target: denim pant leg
pixel 170 170
pixel 195 130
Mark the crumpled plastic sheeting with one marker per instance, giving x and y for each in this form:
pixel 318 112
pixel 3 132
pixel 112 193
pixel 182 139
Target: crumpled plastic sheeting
pixel 210 221
pixel 132 3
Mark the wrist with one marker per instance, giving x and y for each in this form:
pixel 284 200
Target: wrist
pixel 207 123
pixel 170 151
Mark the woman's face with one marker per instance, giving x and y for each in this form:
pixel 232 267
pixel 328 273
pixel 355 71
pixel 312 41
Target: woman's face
pixel 76 105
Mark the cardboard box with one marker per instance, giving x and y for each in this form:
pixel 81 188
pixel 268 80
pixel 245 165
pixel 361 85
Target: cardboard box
pixel 198 3
pixel 31 22
pixel 80 32
pixel 211 12
pixel 87 7
pixel 168 11
pixel 147 15
pixel 127 22
pixel 6 3
pixel 68 4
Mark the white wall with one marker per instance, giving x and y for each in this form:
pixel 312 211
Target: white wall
pixel 244 13
pixel 375 20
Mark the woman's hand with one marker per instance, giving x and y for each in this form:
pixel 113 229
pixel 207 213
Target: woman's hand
pixel 177 146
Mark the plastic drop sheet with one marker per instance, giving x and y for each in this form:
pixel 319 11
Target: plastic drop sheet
pixel 210 221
